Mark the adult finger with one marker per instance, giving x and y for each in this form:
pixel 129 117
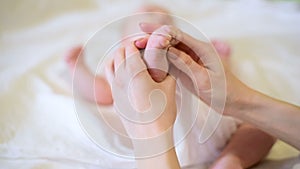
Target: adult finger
pixel 181 46
pixel 141 43
pixel 119 59
pixel 200 48
pixel 173 31
pixel 155 54
pixel 134 63
pixel 198 74
pixel 109 71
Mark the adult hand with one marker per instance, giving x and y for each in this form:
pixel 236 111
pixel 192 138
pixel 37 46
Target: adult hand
pixel 147 108
pixel 196 65
pixel 200 69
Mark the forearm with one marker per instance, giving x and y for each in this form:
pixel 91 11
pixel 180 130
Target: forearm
pixel 167 160
pixel 247 146
pixel 156 152
pixel 275 117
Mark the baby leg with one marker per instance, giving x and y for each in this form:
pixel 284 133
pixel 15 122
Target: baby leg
pixel 93 88
pixel 223 50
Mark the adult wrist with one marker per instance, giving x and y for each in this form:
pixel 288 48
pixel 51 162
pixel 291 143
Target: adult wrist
pixel 244 100
pixel 153 146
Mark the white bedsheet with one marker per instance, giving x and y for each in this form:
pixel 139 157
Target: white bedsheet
pixel 38 125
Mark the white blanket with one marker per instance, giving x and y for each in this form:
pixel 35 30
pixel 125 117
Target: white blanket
pixel 38 125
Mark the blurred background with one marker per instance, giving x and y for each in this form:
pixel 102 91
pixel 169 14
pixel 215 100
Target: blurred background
pixel 38 126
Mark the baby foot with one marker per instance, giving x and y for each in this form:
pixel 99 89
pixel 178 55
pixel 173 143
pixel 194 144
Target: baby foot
pixel 72 57
pixel 223 50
